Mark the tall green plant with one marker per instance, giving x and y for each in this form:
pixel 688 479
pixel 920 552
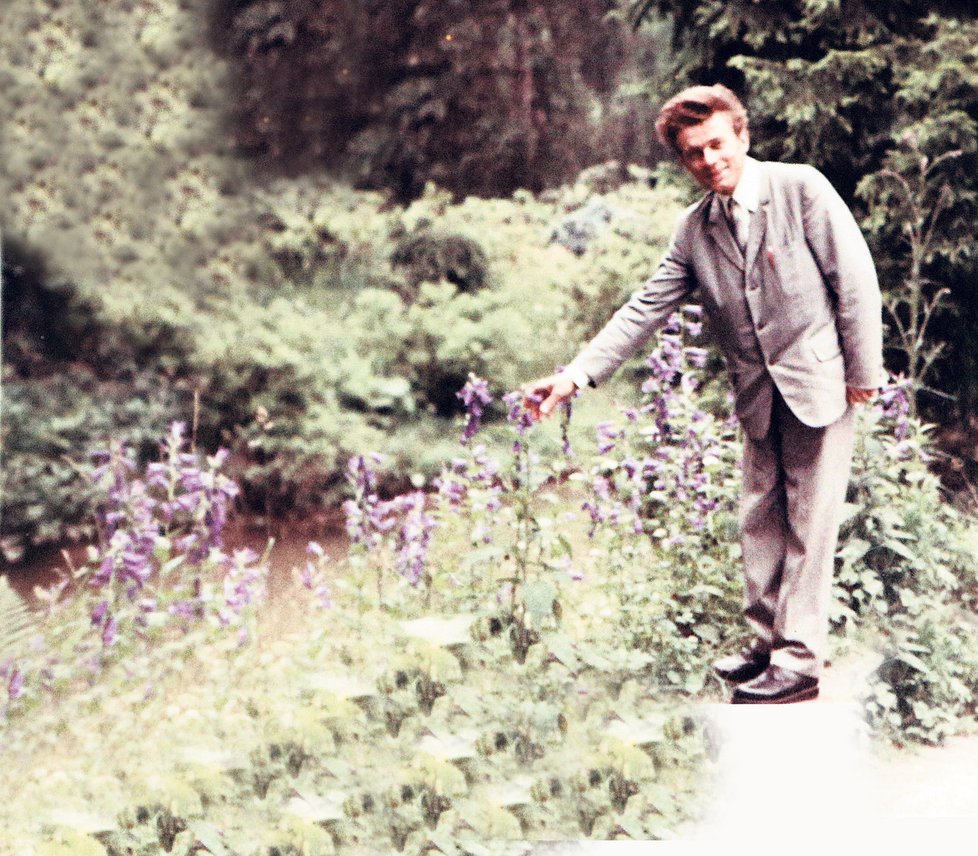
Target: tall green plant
pixel 908 201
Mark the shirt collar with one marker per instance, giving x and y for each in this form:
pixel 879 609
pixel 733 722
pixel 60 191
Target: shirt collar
pixel 747 193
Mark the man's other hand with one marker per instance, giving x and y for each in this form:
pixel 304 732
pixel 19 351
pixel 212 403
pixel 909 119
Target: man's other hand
pixel 542 396
pixel 858 395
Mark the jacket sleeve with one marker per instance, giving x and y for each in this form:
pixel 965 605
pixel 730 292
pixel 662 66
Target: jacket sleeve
pixel 847 267
pixel 646 311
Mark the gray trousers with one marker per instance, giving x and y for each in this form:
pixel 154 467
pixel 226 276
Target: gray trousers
pixel 791 507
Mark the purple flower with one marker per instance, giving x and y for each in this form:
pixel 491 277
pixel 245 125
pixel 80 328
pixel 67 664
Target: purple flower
pixel 244 584
pixel 494 501
pixel 218 459
pixel 99 613
pixel 454 491
pixel 475 396
pixel 158 475
pixel 602 488
pixel 518 416
pixel 187 609
pixel 109 633
pixel 312 579
pixel 414 537
pixel 15 685
pixel 894 403
pixel 607 435
pixel 360 475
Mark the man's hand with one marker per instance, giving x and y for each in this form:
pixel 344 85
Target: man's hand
pixel 541 397
pixel 858 395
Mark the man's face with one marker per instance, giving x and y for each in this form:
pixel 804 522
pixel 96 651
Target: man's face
pixel 714 152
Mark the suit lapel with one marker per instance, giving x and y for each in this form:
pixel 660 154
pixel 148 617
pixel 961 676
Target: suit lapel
pixel 718 228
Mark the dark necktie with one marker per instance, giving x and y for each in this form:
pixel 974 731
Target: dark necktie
pixel 739 218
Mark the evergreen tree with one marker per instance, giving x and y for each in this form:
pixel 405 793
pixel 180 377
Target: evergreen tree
pixel 479 97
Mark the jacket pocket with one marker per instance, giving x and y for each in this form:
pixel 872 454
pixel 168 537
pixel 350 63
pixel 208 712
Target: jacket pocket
pixel 825 344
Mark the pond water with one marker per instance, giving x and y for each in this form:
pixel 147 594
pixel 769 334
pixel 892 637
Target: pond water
pixel 288 551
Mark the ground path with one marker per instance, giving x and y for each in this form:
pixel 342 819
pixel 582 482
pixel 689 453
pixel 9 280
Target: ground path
pixel 809 778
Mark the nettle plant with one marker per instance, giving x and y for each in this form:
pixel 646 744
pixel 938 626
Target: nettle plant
pixel 662 506
pixel 158 573
pixel 499 508
pixel 661 537
pixel 907 570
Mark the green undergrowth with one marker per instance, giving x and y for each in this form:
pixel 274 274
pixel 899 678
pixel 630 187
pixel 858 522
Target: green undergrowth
pixel 356 730
pixel 515 654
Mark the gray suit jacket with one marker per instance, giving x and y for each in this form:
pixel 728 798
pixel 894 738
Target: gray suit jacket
pixel 800 310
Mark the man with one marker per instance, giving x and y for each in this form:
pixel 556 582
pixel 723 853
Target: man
pixel 788 281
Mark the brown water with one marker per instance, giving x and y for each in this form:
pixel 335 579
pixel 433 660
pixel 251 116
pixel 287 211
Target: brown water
pixel 288 551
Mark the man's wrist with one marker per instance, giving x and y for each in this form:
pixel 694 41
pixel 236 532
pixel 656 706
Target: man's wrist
pixel 580 378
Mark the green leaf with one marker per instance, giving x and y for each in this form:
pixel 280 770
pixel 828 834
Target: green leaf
pixel 900 549
pixel 707 632
pixel 638 732
pixel 208 835
pixel 450 747
pixel 539 598
pixel 490 554
pixel 172 564
pixel 16 622
pixel 854 549
pixel 86 822
pixel 513 792
pixel 72 844
pixel 341 685
pixel 914 662
pixel 317 808
pixel 562 647
pixel 443 632
pixel 632 828
pixel 442 842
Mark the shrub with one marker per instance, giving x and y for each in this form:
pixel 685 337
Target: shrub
pixel 428 257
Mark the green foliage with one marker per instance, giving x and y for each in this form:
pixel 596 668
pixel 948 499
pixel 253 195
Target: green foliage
pixel 51 426
pixel 908 573
pixel 906 207
pixel 428 257
pixel 386 728
pixel 313 354
pixel 527 690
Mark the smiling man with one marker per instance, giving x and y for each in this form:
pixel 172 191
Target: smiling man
pixel 787 279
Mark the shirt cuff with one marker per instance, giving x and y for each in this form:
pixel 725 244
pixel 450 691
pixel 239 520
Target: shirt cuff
pixel 580 378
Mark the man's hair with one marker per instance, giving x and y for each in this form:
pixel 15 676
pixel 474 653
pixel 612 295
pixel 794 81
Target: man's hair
pixel 695 105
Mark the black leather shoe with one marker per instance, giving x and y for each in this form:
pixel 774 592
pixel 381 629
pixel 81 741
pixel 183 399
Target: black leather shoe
pixel 745 666
pixel 776 685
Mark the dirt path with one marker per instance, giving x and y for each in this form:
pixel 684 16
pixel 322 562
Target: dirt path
pixel 810 778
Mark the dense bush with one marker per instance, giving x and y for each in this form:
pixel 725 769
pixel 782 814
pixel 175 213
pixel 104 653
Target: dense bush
pixel 846 87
